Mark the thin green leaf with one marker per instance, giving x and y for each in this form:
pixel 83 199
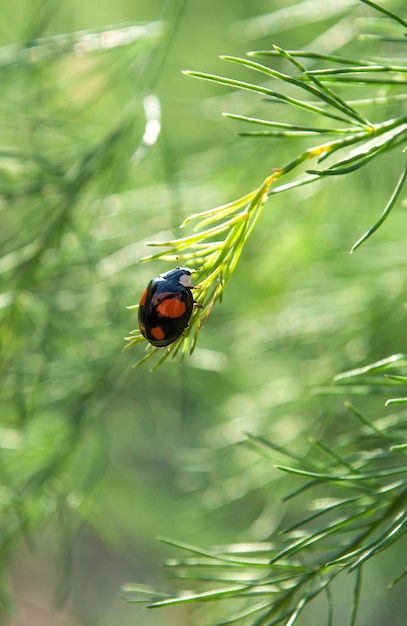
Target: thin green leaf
pixel 396 401
pixel 397 580
pixel 340 461
pixel 377 366
pixel 215 594
pixel 237 84
pixel 343 478
pixel 320 91
pixel 307 54
pixel 329 601
pixel 311 539
pixel 293 127
pixel 297 610
pixel 341 171
pixel 356 598
pixel 327 94
pixel 366 152
pixel 385 214
pixel 364 419
pixel 301 489
pixel 147 357
pixel 358 69
pixel 271 611
pixel 229 558
pixel 293 185
pixel 243 615
pixel 222 211
pixel 143 589
pixel 363 80
pixel 190 240
pixel 379 100
pixel 132 341
pixel 389 536
pixel 265 445
pixel 398 379
pixel 390 14
pixel 275 133
pixel 328 508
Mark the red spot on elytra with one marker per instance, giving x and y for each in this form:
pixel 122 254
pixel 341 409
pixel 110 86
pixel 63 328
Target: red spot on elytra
pixel 143 297
pixel 157 333
pixel 171 307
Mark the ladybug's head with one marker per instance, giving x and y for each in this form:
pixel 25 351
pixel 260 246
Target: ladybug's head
pixel 180 275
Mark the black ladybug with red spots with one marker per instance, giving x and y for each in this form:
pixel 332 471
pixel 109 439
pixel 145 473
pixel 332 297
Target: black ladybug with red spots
pixel 166 307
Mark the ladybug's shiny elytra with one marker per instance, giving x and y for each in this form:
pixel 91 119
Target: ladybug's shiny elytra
pixel 166 306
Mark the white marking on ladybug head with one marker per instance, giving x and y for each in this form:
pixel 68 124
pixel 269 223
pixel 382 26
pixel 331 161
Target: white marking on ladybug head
pixel 185 280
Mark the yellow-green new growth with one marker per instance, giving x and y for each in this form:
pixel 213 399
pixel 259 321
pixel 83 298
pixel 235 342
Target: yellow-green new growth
pixel 215 248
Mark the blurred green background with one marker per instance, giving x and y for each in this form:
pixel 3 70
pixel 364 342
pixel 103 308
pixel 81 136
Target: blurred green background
pixel 98 458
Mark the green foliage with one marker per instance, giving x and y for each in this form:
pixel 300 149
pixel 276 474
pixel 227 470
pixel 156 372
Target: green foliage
pixel 355 486
pixel 356 492
pixel 57 160
pixel 361 139
pixel 100 152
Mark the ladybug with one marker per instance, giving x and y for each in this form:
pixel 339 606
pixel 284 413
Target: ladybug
pixel 166 307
